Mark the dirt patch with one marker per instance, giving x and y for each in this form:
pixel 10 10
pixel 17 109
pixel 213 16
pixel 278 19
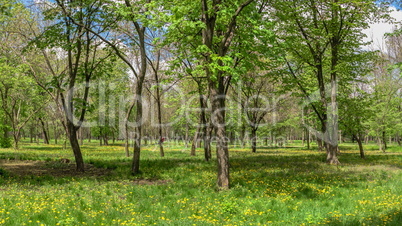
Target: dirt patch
pixel 51 168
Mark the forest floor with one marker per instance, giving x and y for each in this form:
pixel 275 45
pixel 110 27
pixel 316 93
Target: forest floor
pixel 275 186
pixel 48 168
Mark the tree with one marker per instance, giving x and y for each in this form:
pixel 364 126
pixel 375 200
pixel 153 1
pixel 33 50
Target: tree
pixel 256 99
pixel 322 37
pixel 80 50
pixel 20 99
pixel 355 113
pixel 226 41
pixel 386 85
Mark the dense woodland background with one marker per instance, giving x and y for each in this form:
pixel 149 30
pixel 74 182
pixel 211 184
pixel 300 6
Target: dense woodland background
pixel 211 72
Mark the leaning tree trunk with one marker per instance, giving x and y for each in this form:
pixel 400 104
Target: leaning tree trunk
pixel 360 143
pixel 45 136
pixel 72 136
pixel 158 103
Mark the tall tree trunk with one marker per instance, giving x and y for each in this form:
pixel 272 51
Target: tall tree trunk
pixel 206 127
pixel 186 136
pixel 380 144
pixel 126 141
pixel 55 133
pixel 360 143
pixel 105 139
pixel 161 151
pixel 207 142
pixel 384 141
pixel 72 136
pixel 45 137
pixel 126 134
pixel 37 134
pixel 16 140
pixel 218 121
pixel 331 132
pixel 194 143
pixel 253 139
pixel 81 132
pixel 158 104
pixel 242 135
pixel 31 131
pixel 138 129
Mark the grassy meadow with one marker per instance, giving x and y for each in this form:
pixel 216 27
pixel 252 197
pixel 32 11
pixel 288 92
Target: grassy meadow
pixel 275 186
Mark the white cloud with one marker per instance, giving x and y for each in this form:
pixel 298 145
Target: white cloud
pixel 377 31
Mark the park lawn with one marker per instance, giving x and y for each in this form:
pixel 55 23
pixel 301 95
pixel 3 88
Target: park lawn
pixel 275 186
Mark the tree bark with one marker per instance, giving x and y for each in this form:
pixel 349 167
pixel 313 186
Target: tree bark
pixel 194 143
pixel 331 154
pixel 16 140
pixel 81 136
pixel 218 121
pixel 207 142
pixel 360 143
pixel 158 104
pixel 31 131
pixel 216 80
pixel 45 137
pixel 126 134
pixel 186 137
pixel 138 127
pixel 320 144
pixel 253 140
pixel 384 141
pixel 242 134
pixel 72 135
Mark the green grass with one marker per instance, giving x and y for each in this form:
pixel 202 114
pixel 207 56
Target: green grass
pixel 275 186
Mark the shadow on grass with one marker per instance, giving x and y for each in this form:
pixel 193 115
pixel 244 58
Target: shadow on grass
pixel 44 148
pixel 392 218
pixel 272 167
